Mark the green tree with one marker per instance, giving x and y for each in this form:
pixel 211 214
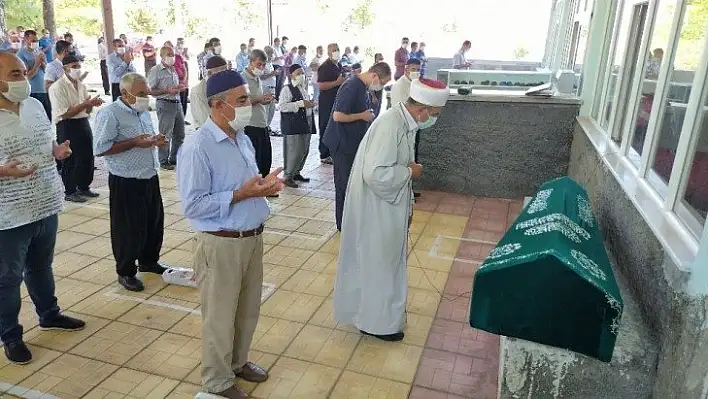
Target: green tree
pixel 142 20
pixel 27 13
pixel 361 16
pixel 84 16
pixel 696 20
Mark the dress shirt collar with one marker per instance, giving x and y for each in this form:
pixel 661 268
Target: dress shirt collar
pixel 216 133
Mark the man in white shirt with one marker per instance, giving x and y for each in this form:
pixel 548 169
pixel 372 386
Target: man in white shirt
pixel 55 69
pixel 30 199
pixel 102 55
pixel 269 81
pixel 71 106
pixel 198 97
pixel 459 61
pixel 312 74
pixel 278 65
pixel 401 90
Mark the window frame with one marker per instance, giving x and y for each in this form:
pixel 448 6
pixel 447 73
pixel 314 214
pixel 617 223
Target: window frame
pixel 617 14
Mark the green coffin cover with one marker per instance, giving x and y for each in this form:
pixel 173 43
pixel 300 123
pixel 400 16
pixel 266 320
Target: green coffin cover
pixel 549 279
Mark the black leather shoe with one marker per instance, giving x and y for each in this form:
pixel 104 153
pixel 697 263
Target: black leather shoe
pixel 17 352
pixel 299 177
pixel 88 194
pixel 290 183
pixel 388 337
pixel 416 195
pixel 154 268
pixel 131 283
pixel 63 323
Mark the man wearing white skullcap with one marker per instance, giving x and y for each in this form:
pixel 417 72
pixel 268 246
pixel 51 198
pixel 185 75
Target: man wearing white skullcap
pixel 371 287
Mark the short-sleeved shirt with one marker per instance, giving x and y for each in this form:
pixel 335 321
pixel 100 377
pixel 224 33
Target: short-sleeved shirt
pixel 29 139
pixel 329 71
pixel 36 81
pixel 54 71
pixel 459 59
pixel 64 95
pixel 352 98
pixel 401 56
pixel 117 122
pixel 163 78
pixel 255 88
pixel 46 43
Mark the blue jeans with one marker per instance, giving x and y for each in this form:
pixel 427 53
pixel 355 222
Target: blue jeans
pixel 27 252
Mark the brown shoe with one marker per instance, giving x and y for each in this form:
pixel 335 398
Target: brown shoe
pixel 234 392
pixel 252 373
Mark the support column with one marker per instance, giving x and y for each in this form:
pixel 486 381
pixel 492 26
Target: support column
pixel 108 29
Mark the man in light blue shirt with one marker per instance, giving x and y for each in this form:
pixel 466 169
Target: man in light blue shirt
pixel 242 58
pixel 126 139
pixel 119 63
pixel 36 63
pixel 222 196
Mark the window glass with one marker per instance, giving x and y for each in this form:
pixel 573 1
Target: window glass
pixel 626 52
pixel 686 59
pixel 666 10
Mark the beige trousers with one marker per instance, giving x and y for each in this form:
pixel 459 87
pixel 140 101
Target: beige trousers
pixel 229 275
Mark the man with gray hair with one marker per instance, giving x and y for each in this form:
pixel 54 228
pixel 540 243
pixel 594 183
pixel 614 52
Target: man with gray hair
pixel 198 97
pixel 222 196
pixel 256 128
pixel 165 87
pixel 126 139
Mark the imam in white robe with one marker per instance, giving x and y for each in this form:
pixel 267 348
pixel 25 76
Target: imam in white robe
pixel 199 104
pixel 401 90
pixel 371 287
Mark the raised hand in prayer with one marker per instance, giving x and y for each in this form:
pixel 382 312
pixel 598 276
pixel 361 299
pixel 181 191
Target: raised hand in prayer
pixel 62 151
pixel 15 169
pixel 160 140
pixel 145 141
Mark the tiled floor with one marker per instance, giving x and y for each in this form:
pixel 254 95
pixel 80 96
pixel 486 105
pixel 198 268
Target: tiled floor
pixel 147 345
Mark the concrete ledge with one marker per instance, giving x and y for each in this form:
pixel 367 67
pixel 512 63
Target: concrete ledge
pixel 530 370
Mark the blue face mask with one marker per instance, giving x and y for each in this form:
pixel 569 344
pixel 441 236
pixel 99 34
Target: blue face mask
pixel 428 123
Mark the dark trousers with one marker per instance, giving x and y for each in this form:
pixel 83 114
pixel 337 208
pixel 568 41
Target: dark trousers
pixel 115 91
pixel 44 99
pixel 323 119
pixel 77 170
pixel 137 222
pixel 104 77
pixel 184 99
pixel 417 142
pixel 261 144
pixel 26 253
pixel 342 169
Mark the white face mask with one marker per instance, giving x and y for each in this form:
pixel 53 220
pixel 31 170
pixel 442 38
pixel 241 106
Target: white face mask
pixel 335 56
pixel 217 50
pixel 242 117
pixel 17 91
pixel 142 104
pixel 15 45
pixel 34 45
pixel 169 61
pixel 299 80
pixel 415 75
pixel 75 73
pixel 120 50
pixel 258 72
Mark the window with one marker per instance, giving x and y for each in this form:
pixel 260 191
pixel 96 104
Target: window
pixel 695 195
pixel 621 69
pixel 650 67
pixel 682 73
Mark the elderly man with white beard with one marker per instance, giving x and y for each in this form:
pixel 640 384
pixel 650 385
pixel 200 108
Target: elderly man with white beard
pixel 371 287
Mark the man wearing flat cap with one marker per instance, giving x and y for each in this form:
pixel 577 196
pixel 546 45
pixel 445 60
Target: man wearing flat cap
pixel 371 287
pixel 222 194
pixel 71 106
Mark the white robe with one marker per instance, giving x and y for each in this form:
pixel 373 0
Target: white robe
pixel 401 90
pixel 199 104
pixel 371 287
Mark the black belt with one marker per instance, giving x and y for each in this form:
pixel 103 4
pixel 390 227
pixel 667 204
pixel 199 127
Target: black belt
pixel 168 101
pixel 237 234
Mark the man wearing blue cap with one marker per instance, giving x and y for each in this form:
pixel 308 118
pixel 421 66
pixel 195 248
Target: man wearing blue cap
pixel 222 196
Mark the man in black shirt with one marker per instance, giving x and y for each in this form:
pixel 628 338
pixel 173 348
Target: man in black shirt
pixel 351 116
pixel 329 78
